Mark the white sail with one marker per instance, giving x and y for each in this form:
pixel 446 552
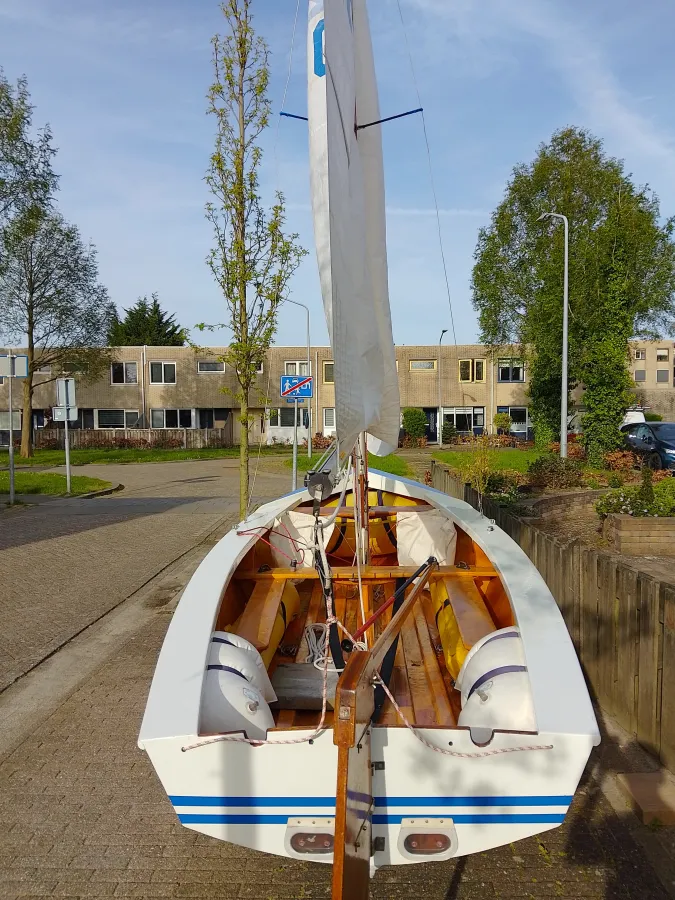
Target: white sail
pixel 347 184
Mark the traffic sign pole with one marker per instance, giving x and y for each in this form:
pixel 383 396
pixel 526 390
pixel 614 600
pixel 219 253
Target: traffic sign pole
pixel 11 431
pixel 295 445
pixel 67 440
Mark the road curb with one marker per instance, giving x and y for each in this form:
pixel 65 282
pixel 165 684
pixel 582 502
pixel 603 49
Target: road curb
pixel 103 493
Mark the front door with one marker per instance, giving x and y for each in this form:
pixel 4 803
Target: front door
pixel 431 412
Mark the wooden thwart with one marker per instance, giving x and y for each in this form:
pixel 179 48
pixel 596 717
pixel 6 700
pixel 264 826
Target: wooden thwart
pixel 257 620
pixel 368 573
pixel 374 512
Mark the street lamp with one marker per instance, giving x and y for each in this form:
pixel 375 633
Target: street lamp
pixel 309 372
pixel 563 398
pixel 440 403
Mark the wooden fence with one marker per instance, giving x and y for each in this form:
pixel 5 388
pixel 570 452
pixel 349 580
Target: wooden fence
pixel 186 438
pixel 622 622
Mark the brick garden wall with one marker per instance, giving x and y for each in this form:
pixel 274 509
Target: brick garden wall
pixel 640 536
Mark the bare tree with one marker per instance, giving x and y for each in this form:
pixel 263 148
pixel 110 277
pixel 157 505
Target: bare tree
pixel 252 260
pixel 50 298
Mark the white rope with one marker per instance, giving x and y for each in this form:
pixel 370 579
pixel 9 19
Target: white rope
pixel 318 650
pixel 456 753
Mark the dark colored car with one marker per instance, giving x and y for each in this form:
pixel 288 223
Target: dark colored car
pixel 654 441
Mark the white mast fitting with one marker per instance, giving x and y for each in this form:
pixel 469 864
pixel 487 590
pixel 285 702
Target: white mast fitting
pixel 347 186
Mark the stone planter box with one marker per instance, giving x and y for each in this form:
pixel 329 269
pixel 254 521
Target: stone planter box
pixel 636 536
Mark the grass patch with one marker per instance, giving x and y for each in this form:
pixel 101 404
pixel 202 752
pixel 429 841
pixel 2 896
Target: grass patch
pixel 86 457
pixel 501 459
pixel 50 483
pixel 393 464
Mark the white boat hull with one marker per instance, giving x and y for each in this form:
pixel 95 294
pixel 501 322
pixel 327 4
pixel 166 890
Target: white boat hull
pixel 246 795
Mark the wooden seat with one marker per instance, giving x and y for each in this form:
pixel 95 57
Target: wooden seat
pixel 257 620
pixel 473 619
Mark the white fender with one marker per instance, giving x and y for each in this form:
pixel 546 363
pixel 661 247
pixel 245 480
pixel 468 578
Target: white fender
pixel 236 652
pixel 230 703
pixel 495 684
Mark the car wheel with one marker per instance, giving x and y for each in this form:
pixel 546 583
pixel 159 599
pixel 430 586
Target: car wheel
pixel 654 461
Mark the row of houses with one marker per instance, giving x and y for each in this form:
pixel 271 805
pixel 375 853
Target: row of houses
pixel 188 388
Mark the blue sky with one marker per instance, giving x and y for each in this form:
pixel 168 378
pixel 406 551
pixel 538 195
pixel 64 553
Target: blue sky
pixel 123 86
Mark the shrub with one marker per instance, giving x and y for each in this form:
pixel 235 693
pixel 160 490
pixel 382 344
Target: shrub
pixel 634 501
pixel 653 417
pixel 321 442
pixel 411 443
pixel 574 450
pixel 554 472
pixel 502 422
pixel 615 480
pixel 620 460
pixel 449 434
pixel 414 422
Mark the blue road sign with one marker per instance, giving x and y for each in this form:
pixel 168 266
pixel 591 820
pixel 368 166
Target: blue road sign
pixel 296 387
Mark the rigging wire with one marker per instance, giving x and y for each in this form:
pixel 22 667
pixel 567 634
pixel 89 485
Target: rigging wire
pixel 431 173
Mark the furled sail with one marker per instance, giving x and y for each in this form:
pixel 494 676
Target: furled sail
pixel 347 185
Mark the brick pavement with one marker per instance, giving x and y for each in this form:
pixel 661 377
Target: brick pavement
pixel 66 563
pixel 82 815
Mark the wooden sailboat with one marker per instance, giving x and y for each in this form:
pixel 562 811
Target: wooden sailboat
pixel 365 672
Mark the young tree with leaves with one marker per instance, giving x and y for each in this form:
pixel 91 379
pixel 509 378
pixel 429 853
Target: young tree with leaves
pixel 253 259
pixel 621 279
pixel 51 298
pixel 26 175
pixel 145 323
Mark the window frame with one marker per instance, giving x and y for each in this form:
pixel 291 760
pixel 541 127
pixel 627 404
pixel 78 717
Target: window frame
pixel 178 411
pixel 482 360
pixel 665 380
pixel 640 354
pixel 125 413
pixel 459 371
pixel 297 363
pixel 327 362
pixel 210 362
pixel 426 370
pixel 662 350
pixel 162 363
pixel 326 426
pixel 124 364
pixel 511 366
pixel 642 372
pixel 43 370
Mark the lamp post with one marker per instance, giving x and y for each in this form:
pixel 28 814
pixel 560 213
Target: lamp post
pixel 563 398
pixel 309 372
pixel 440 401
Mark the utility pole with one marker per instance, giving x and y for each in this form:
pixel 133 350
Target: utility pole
pixel 565 336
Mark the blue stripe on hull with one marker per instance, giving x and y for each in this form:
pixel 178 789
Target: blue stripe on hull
pixel 487 819
pixel 179 800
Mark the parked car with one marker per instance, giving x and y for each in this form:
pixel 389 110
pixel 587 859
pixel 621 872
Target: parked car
pixel 653 441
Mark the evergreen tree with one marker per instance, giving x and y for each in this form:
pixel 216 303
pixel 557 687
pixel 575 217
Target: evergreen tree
pixel 145 323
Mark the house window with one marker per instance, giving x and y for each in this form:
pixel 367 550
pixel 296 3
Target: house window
pixel 123 373
pixel 328 372
pixel 117 418
pixel 422 365
pixel 479 370
pixel 465 418
pixel 640 375
pixel 465 370
pixel 639 354
pixel 171 418
pixel 283 417
pixel 510 370
pixel 662 376
pixel 662 354
pixel 206 367
pixel 296 367
pixel 47 370
pixel 162 373
pixel 329 418
pixel 259 370
pixel 479 416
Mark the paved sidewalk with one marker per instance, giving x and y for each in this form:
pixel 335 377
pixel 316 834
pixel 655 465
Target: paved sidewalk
pixel 83 815
pixel 65 563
